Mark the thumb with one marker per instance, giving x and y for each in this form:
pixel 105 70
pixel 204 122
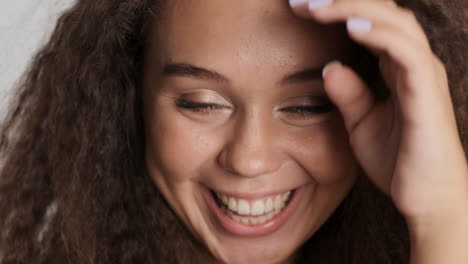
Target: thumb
pixel 348 92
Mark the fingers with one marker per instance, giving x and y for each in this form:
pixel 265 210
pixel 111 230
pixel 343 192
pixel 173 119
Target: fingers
pixel 349 93
pixel 386 39
pixel 390 32
pixel 378 11
pixel 300 8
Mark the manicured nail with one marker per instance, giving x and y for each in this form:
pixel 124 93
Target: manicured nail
pixel 358 25
pixel 316 4
pixel 329 66
pixel 294 3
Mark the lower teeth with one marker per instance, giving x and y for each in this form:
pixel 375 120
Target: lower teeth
pixel 251 220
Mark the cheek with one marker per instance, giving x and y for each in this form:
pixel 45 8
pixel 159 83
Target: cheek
pixel 324 152
pixel 177 148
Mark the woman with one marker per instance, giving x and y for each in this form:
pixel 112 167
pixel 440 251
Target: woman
pixel 204 132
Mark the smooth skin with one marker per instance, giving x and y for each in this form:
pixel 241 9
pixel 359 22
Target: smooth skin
pixel 418 158
pixel 249 141
pixel 259 62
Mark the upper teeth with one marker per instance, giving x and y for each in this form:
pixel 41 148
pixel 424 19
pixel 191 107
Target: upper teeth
pixel 255 207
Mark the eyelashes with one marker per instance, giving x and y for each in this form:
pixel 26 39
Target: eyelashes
pixel 196 106
pixel 299 111
pixel 308 110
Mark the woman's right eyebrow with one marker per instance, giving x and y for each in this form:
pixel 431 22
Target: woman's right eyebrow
pixel 190 70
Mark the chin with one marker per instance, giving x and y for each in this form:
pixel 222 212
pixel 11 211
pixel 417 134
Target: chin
pixel 266 227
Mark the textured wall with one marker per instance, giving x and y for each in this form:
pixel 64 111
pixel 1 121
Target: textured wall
pixel 24 26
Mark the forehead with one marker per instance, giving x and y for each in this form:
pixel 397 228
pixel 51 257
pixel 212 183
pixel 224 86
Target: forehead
pixel 251 31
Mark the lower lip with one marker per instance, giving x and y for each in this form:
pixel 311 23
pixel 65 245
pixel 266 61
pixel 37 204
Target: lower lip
pixel 262 229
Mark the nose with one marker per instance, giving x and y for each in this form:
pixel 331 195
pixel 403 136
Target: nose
pixel 251 149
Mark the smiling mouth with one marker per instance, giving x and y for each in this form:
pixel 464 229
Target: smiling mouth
pixel 252 212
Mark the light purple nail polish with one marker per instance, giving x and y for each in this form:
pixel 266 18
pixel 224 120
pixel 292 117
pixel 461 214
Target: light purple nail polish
pixel 359 25
pixel 330 65
pixel 295 3
pixel 316 4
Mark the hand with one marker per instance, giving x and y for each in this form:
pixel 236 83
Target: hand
pixel 408 144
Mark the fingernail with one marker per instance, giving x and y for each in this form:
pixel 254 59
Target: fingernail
pixel 359 25
pixel 329 66
pixel 295 3
pixel 316 4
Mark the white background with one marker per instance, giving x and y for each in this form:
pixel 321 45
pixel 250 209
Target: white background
pixel 25 26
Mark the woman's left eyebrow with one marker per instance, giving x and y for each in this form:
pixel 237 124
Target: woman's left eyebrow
pixel 309 74
pixel 197 72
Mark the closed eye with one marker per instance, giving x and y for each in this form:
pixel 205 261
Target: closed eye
pixel 306 110
pixel 202 109
pixel 183 103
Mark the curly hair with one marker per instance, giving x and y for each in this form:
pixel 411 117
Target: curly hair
pixel 73 182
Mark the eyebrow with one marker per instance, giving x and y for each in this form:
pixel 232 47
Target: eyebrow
pixel 189 70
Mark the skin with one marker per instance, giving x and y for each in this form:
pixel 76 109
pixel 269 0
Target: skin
pixel 420 161
pixel 250 145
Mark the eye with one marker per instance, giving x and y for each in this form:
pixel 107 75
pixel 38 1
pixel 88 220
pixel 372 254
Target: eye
pixel 304 110
pixel 198 107
pixel 184 103
pixel 308 111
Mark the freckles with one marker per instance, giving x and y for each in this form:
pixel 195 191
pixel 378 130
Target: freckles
pixel 165 143
pixel 179 147
pixel 326 154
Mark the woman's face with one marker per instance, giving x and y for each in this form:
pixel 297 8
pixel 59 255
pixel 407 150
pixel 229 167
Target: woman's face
pixel 241 138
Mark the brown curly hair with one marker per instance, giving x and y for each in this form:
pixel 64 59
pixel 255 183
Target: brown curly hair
pixel 73 182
